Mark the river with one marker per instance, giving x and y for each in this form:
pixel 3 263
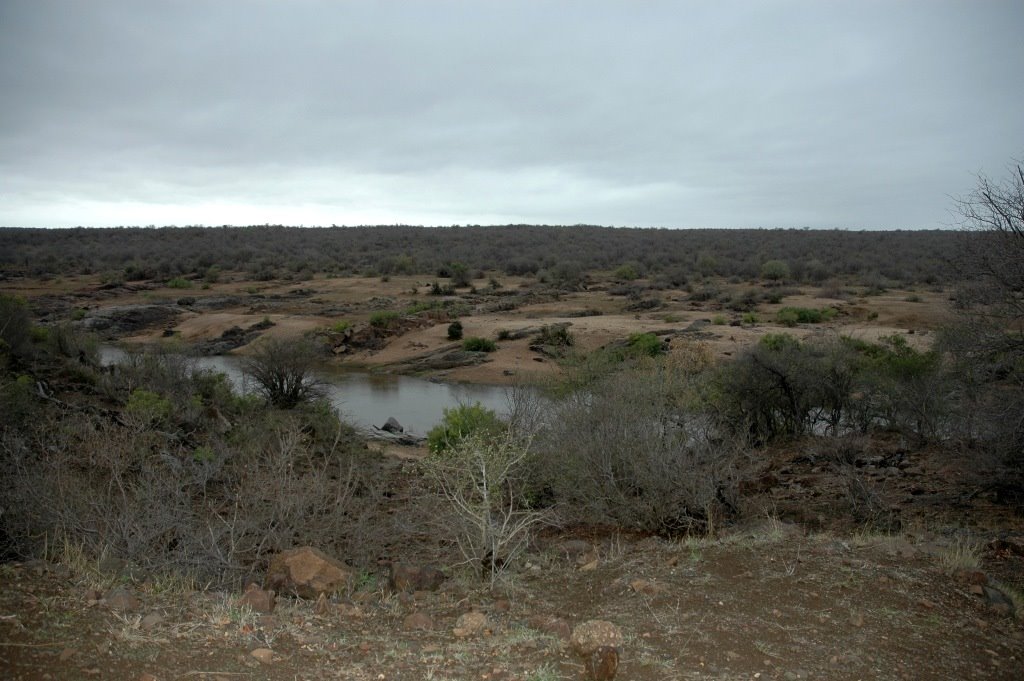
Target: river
pixel 366 399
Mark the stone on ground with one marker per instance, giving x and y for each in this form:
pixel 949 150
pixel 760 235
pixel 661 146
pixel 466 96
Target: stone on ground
pixel 307 572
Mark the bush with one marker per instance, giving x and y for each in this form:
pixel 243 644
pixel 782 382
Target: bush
pixel 461 422
pixel 629 450
pixel 179 282
pixel 384 319
pixel 283 372
pixel 15 326
pixel 455 331
pixel 477 344
pixel 557 335
pixel 645 345
pixel 775 270
pixel 482 479
pixel 791 316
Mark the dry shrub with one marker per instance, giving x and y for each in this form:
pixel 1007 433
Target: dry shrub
pixel 631 450
pixel 216 511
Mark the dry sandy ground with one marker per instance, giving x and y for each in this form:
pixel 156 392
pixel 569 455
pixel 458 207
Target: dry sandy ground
pixel 297 308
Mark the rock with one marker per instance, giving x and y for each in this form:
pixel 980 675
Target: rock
pixel 392 426
pixel 590 566
pixel 307 572
pixel 259 600
pixel 409 578
pixel 471 624
pixel 976 577
pixel 591 635
pixel 145 676
pixel 151 621
pixel 123 319
pixel 418 621
pixel 549 624
pixel 603 663
pixel 264 655
pixel 121 599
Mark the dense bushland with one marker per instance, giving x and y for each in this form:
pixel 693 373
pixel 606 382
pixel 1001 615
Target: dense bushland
pixel 670 257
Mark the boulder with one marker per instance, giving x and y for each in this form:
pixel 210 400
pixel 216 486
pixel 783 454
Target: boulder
pixel 392 426
pixel 408 578
pixel 471 624
pixel 259 600
pixel 591 635
pixel 418 621
pixel 121 599
pixel 307 572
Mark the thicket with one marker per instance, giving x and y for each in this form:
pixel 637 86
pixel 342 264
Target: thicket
pixel 163 466
pixel 671 257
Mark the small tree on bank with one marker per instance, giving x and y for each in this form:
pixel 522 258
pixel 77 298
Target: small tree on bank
pixel 283 372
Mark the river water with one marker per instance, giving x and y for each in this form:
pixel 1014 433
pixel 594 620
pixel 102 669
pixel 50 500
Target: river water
pixel 366 399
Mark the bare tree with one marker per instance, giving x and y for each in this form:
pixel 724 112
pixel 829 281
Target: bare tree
pixel 990 341
pixel 283 372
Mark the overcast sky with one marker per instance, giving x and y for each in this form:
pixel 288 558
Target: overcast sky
pixel 854 114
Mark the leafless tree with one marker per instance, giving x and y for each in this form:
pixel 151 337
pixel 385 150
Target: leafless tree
pixel 990 341
pixel 283 372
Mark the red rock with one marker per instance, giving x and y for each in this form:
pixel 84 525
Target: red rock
pixel 121 599
pixel 554 626
pixel 418 621
pixel 471 624
pixel 307 572
pixel 259 600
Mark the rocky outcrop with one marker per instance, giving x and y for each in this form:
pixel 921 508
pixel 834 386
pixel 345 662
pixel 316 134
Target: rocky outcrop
pixel 119 320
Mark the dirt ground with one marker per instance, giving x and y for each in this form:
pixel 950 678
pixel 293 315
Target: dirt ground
pixel 765 603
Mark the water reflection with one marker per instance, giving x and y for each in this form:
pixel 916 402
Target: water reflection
pixel 366 400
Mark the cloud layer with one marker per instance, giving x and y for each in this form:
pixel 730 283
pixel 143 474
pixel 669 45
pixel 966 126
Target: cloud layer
pixel 677 114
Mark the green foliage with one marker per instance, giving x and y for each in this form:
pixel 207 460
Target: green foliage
pixel 455 331
pixel 212 274
pixel 791 316
pixel 719 320
pixel 477 344
pixel 775 270
pixel 179 282
pixel 644 345
pixel 148 408
pixel 749 318
pixel 461 422
pixel 626 272
pixel 384 319
pixel 341 326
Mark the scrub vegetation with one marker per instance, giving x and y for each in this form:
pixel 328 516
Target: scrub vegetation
pixel 702 391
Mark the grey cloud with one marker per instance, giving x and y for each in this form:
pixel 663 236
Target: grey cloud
pixel 850 114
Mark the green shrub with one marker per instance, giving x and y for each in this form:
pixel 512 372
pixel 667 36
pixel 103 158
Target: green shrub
pixel 775 270
pixel 342 326
pixel 455 331
pixel 461 422
pixel 645 345
pixel 477 344
pixel 791 316
pixel 627 272
pixel 719 320
pixel 384 319
pixel 749 318
pixel 147 407
pixel 179 282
